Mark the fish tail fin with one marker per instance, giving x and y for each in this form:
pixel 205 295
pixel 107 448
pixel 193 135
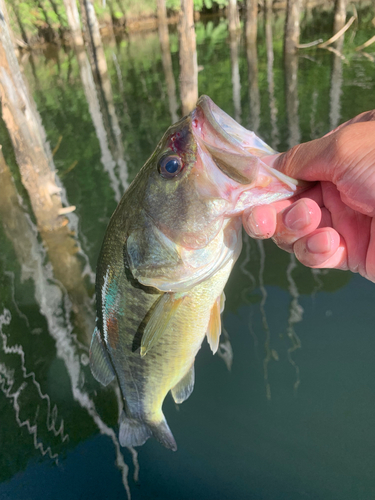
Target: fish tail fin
pixel 135 433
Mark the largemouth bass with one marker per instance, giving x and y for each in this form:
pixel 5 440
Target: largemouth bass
pixel 166 257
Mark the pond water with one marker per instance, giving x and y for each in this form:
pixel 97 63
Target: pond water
pixel 294 416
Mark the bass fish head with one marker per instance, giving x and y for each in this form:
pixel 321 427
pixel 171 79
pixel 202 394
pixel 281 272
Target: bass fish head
pixel 188 197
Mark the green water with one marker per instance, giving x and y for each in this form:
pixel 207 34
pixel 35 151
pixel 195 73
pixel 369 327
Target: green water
pixel 293 418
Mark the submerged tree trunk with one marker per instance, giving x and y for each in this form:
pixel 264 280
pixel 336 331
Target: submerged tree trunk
pixel 27 135
pixel 188 57
pixel 292 27
pixel 167 59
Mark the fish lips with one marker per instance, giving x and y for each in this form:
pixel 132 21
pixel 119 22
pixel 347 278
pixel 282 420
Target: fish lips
pixel 238 153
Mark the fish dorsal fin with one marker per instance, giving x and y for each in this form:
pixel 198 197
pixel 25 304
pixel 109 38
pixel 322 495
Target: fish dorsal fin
pixel 185 386
pixel 100 363
pixel 162 314
pixel 214 326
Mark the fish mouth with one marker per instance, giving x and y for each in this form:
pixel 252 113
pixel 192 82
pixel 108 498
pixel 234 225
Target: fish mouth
pixel 238 153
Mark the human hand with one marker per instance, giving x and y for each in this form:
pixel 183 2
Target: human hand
pixel 332 224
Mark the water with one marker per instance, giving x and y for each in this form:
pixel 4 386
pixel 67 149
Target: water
pixel 293 419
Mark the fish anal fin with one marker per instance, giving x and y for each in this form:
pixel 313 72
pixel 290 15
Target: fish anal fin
pixel 182 390
pixel 214 326
pixel 162 314
pixel 100 364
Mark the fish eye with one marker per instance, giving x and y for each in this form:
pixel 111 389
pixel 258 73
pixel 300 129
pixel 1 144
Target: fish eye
pixel 169 166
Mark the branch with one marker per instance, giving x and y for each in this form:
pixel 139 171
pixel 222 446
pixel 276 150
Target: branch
pixel 338 34
pixel 366 44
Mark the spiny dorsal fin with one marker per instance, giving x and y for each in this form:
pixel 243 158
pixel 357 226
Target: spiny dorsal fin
pixel 214 326
pixel 100 363
pixel 163 312
pixel 184 388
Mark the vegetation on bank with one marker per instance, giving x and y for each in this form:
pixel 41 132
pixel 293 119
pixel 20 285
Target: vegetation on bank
pixel 46 20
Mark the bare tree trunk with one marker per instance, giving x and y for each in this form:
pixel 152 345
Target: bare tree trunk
pixel 104 87
pixel 270 79
pixel 236 83
pixel 188 57
pixel 291 97
pixel 27 135
pixel 73 21
pixel 233 16
pixel 167 59
pixel 252 62
pixel 292 27
pixel 340 16
pixel 251 21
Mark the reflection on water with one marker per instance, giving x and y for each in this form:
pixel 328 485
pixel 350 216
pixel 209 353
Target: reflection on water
pixel 285 327
pixel 236 84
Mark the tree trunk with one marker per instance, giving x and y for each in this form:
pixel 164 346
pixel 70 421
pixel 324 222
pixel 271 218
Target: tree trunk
pixel 188 57
pixel 233 16
pixel 236 83
pixel 340 16
pixel 251 21
pixel 167 59
pixel 270 79
pixel 27 135
pixel 291 97
pixel 104 87
pixel 292 27
pixel 73 21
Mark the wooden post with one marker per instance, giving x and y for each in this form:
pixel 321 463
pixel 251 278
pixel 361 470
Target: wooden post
pixel 27 135
pixel 167 59
pixel 188 57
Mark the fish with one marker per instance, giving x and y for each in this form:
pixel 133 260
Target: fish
pixel 166 256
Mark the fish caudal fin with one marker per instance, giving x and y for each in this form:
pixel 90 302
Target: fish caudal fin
pixel 135 433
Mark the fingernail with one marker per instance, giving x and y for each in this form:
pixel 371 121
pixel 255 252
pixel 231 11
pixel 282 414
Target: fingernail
pixel 319 243
pixel 298 216
pixel 255 223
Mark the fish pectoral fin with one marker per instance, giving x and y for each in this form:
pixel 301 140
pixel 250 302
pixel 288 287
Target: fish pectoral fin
pixel 214 326
pixel 162 314
pixel 100 364
pixel 182 390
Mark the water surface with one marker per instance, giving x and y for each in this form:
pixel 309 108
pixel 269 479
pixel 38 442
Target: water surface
pixel 293 418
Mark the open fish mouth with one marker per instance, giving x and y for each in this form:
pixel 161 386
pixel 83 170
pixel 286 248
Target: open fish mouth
pixel 238 152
